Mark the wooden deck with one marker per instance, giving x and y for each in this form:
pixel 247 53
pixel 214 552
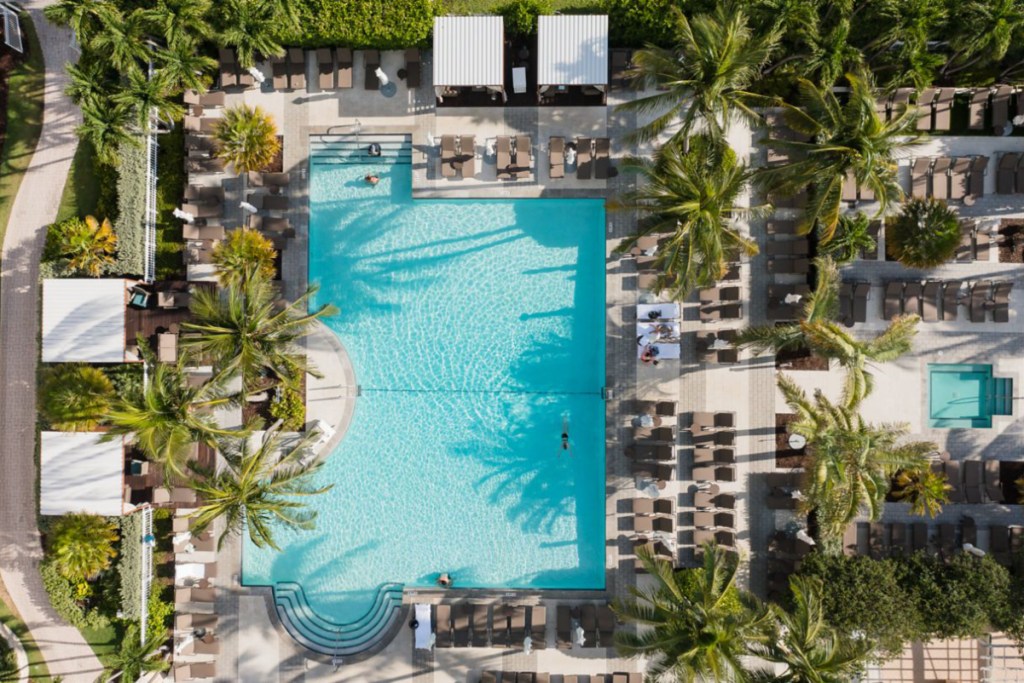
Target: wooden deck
pixel 146 323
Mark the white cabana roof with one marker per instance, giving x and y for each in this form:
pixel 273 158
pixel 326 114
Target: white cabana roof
pixel 83 320
pixel 80 473
pixel 469 51
pixel 572 49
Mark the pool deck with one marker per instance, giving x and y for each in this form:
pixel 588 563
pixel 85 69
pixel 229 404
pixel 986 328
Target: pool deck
pixel 252 642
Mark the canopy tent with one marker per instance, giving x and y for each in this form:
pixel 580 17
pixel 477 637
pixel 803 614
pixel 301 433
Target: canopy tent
pixel 80 473
pixel 572 49
pixel 469 52
pixel 84 320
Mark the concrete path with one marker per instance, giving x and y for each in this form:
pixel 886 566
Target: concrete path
pixel 66 652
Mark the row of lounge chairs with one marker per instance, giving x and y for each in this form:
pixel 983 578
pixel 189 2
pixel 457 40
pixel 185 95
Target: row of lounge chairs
pixel 715 346
pixel 853 302
pixel 913 298
pixel 972 481
pixel 1010 174
pixel 974 243
pixel 935 109
pixel 778 130
pixel 529 677
pixel 652 515
pixel 654 461
pixel 464 624
pixel 290 73
pixel 853 193
pixel 896 539
pixel 999 109
pixel 458 156
pixel 334 69
pixel 786 250
pixel 714 441
pixel 195 620
pixel 657 549
pixel 949 178
pixel 781 487
pixel 720 303
pixel 596 621
pixel 593 157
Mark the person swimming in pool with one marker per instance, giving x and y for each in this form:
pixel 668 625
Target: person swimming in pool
pixel 566 446
pixel 371 179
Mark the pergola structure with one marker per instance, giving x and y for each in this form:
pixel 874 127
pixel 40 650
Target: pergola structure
pixel 572 58
pixel 469 54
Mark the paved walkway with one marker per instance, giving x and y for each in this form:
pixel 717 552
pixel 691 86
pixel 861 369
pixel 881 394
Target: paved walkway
pixel 63 647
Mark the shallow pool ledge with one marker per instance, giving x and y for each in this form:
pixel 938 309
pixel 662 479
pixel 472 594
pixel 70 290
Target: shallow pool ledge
pixel 331 398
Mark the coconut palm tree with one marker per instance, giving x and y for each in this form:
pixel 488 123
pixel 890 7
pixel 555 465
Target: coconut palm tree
pixel 81 545
pixel 260 487
pixel 106 128
pixel 698 629
pixel 926 490
pixel 852 236
pixel 89 245
pixel 691 197
pixel 145 96
pixel 123 41
pixel 84 17
pixel 185 66
pixel 178 20
pixel 707 76
pixel 134 658
pixel 168 415
pixel 90 82
pixel 246 138
pixel 924 234
pixel 851 461
pixel 987 30
pixel 244 251
pixel 810 649
pixel 844 137
pixel 901 45
pixel 248 334
pixel 74 397
pixel 251 27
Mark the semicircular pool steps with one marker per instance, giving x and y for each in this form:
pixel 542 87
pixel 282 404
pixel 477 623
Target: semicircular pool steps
pixel 355 149
pixel 324 636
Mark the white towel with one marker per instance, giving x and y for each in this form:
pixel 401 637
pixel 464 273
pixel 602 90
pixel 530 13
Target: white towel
pixel 666 311
pixel 424 641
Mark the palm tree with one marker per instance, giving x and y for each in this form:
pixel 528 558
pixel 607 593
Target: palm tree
pixel 251 27
pixel 851 462
pixel 811 650
pixel 697 630
pixel 260 487
pixel 987 29
pixel 146 96
pixel 247 334
pixel 244 251
pixel 852 236
pixel 74 397
pixel 844 138
pixel 134 658
pixel 122 40
pixel 81 545
pixel 90 82
pixel 84 17
pixel 901 46
pixel 178 20
pixel 89 245
pixel 925 234
pixel 926 490
pixel 246 138
pixel 707 76
pixel 185 66
pixel 692 197
pixel 106 128
pixel 168 415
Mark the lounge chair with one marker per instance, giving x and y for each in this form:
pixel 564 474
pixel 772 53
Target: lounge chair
pixel 588 621
pixel 371 62
pixel 924 109
pixel 878 544
pixel 929 301
pixel 480 621
pixel 196 124
pixel 605 625
pixel 979 299
pixel 899 540
pixel 620 66
pixel 449 162
pixel 173 300
pixel 412 68
pixel 972 481
pixel 919 536
pixel 660 452
pixel 1006 174
pixel 556 158
pixel 508 677
pixel 270 224
pixel 919 177
pixel 647 525
pixel 787 228
pixel 296 68
pixel 993 485
pixel 325 68
pixel 943 109
pixel 524 156
pixel 968 531
pixel 1001 108
pixel 443 626
pixel 951 468
pixel 228 67
pixel 849 192
pixel 196 671
pixel 538 627
pixel 584 160
pixel 1001 299
pixel 958 179
pixel 912 298
pixel 651 506
pixel 892 303
pixel 977 181
pixel 940 177
pixel 901 100
pixel 999 543
pixel 279 72
pixel 860 301
pixel 950 300
pixel 979 102
pixel 204 210
pixel 206 100
pixel 467 156
pixel 602 153
pixel 269 202
pixel 460 624
pixel 965 250
pixel 850 540
pixel 343 76
pixel 191 231
pixel 563 627
pixel 503 149
pixel 981 245
pixel 517 626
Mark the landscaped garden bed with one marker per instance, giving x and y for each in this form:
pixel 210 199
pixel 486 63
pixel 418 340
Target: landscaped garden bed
pixel 1011 240
pixel 787 457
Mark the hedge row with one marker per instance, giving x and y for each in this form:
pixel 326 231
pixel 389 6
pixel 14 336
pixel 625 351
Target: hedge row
pixel 129 566
pixel 131 211
pixel 383 24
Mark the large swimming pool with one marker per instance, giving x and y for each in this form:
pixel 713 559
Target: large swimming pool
pixel 476 330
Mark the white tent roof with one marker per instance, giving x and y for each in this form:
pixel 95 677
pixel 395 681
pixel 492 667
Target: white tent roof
pixel 79 473
pixel 572 49
pixel 469 51
pixel 83 320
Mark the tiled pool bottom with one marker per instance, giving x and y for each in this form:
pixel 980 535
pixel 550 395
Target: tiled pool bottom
pixel 966 396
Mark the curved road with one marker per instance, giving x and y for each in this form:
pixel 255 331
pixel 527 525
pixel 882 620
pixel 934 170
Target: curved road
pixel 66 652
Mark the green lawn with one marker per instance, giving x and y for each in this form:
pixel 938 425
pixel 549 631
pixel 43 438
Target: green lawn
pixel 82 189
pixel 36 666
pixel 24 122
pixel 103 641
pixel 170 189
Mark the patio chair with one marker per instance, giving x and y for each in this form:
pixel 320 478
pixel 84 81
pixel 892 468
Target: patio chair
pixel 325 68
pixel 556 159
pixel 296 68
pixel 919 177
pixel 1001 299
pixel 204 210
pixel 901 100
pixel 979 102
pixel 950 300
pixel 899 540
pixel 538 627
pixel 195 671
pixel 861 291
pixel 1006 173
pixel 647 525
pixel 968 531
pixel 480 620
pixel 371 62
pixel 605 625
pixel 951 468
pixel 167 347
pixel 524 156
pixel 944 109
pixel 912 298
pixel 206 100
pixel 343 75
pixel 467 147
pixel 977 180
pixel 228 67
pixel 412 68
pixel 269 202
pixel 878 542
pixel 602 153
pixel 660 452
pixel 588 621
pixel 619 66
pixel 173 300
pixel 584 160
pixel 460 624
pixel 947 539
pixel 924 109
pixel 503 148
pixel 781 228
pixel 958 179
pixel 850 540
pixel 940 177
pixel 891 305
pixel 999 544
pixel 443 625
pixel 665 408
pixel 516 625
pixel 269 224
pixel 993 486
pixel 488 676
pixel 1001 108
pixel 979 299
pixel 972 481
pixel 563 627
pixel 930 301
pixel 982 241
pixel 191 231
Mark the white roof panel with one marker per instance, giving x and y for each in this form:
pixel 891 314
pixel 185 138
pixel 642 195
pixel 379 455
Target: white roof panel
pixel 572 49
pixel 80 473
pixel 469 51
pixel 83 320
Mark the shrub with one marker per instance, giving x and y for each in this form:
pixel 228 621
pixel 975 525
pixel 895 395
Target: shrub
pixel 635 23
pixel 74 397
pixel 246 138
pixel 383 25
pixel 129 566
pixel 131 211
pixel 288 407
pixel 521 16
pixel 62 593
pixel 81 545
pixel 924 235
pixel 243 252
pixel 851 236
pixel 161 609
pixel 127 378
pixel 8 664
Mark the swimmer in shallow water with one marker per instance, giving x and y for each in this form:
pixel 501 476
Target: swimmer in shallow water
pixel 371 179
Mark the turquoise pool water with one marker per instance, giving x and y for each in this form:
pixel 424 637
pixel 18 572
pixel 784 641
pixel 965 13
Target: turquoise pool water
pixel 966 396
pixel 476 329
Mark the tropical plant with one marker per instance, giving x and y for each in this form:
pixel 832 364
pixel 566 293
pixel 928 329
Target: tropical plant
pixel 169 415
pixel 185 66
pixel 926 490
pixel 851 461
pixel 260 487
pixel 691 196
pixel 987 28
pixel 707 77
pixel 246 138
pixel 521 16
pixel 106 128
pixel 90 82
pixel 84 17
pixel 289 407
pixel 901 45
pixel 244 251
pixel 247 334
pixel 134 658
pixel 925 234
pixel 81 545
pixel 89 245
pixel 810 649
pixel 698 631
pixel 123 42
pixel 74 397
pixel 148 95
pixel 842 138
pixel 179 20
pixel 852 235
pixel 251 27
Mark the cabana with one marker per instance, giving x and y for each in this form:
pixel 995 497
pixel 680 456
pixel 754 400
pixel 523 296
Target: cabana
pixel 572 59
pixel 84 320
pixel 79 472
pixel 469 55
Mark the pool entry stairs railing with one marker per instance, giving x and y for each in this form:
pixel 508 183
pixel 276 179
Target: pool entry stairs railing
pixel 327 637
pixel 1002 396
pixel 354 148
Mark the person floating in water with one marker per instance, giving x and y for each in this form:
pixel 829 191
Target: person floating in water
pixel 371 179
pixel 566 445
pixel 445 580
